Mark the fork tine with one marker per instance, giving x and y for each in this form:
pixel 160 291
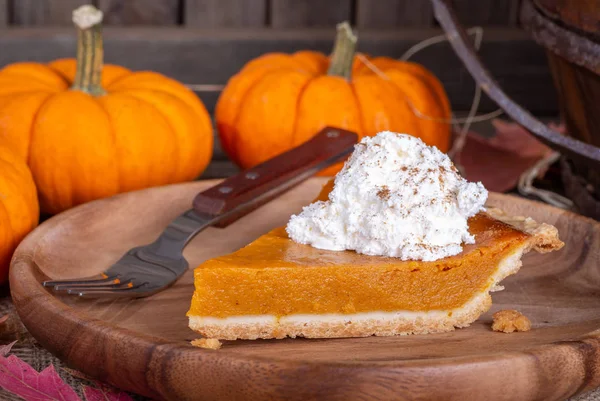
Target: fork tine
pixel 79 281
pixel 95 287
pixel 111 293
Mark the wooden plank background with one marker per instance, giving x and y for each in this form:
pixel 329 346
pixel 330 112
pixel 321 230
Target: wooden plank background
pixel 3 13
pixel 224 13
pixel 140 12
pixel 385 14
pixel 477 12
pixel 309 13
pixel 377 14
pixel 42 12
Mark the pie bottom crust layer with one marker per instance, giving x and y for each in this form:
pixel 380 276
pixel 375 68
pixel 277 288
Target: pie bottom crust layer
pixel 542 238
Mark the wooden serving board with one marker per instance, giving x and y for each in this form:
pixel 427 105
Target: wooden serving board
pixel 143 345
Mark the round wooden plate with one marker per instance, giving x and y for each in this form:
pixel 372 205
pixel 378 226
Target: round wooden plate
pixel 143 345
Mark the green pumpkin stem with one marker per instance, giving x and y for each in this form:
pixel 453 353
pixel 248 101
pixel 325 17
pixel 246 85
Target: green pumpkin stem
pixel 342 56
pixel 90 51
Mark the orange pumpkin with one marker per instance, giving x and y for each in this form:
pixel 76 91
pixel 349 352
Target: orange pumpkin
pixel 90 131
pixel 18 205
pixel 278 101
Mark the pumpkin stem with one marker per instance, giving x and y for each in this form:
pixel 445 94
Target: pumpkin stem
pixel 342 56
pixel 90 52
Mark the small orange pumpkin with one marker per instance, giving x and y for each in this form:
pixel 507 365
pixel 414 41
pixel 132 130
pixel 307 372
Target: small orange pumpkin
pixel 90 131
pixel 18 205
pixel 278 101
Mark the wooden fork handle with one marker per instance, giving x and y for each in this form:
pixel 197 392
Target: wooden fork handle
pixel 252 188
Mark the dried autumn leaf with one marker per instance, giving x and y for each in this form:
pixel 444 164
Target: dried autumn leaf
pixel 19 378
pixel 514 138
pixel 498 162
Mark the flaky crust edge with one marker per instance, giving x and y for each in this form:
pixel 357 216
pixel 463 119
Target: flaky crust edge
pixel 543 238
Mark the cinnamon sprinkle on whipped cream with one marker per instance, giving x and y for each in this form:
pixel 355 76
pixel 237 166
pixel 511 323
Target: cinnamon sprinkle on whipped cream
pixel 395 197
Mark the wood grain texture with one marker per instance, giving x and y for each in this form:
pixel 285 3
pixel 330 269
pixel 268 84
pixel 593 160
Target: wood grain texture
pixel 382 14
pixel 487 12
pixel 579 96
pixel 582 14
pixel 225 13
pixel 142 345
pixel 140 12
pixel 213 56
pixel 275 176
pixel 3 13
pixel 309 13
pixel 44 12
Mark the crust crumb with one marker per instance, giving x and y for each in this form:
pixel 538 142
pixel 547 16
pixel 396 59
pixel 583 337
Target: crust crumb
pixel 207 343
pixel 510 320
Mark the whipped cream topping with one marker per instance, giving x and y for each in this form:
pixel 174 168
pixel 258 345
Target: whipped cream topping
pixel 397 197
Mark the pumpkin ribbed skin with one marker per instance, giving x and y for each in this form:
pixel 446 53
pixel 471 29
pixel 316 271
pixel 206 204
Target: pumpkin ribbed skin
pixel 278 101
pixel 18 205
pixel 147 130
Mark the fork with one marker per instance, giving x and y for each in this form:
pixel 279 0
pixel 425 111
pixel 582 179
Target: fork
pixel 146 270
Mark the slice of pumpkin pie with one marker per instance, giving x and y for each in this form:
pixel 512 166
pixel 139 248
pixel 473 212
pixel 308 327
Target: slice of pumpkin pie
pixel 400 243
